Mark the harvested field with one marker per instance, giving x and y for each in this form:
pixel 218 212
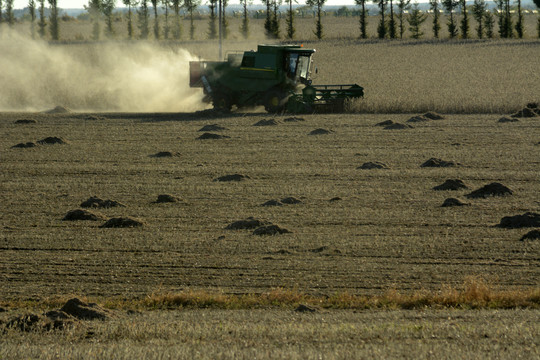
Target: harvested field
pixel 388 231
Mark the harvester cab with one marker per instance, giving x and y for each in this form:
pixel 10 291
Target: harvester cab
pixel 275 76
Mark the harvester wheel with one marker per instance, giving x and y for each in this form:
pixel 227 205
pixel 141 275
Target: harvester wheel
pixel 222 102
pixel 275 101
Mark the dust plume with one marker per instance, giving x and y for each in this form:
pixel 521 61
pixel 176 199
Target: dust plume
pixel 110 76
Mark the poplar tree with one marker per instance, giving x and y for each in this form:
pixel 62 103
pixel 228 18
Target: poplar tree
pixel 244 27
pixel 464 20
pixel 212 23
pixel 434 6
pixel 177 26
pixel 166 27
pixel 489 22
pixel 392 22
pixel 290 21
pixel 478 9
pixel 42 22
pixel 415 20
pixel 142 17
pixel 156 19
pixel 224 21
pixel 537 3
pixel 381 29
pixel 53 18
pixel 402 6
pixel 9 13
pixel 450 6
pixel 363 18
pixel 191 5
pixel 107 8
pixel 129 4
pixel 32 10
pixel 519 23
pixel 318 25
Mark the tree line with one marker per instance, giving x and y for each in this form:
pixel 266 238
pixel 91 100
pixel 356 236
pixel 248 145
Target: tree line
pixel 162 18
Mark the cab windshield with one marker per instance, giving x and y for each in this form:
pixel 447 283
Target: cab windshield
pixel 298 66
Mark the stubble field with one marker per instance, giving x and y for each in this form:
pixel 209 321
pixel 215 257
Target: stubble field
pixel 355 232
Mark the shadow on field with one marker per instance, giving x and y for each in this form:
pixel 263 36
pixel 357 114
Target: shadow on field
pixel 184 116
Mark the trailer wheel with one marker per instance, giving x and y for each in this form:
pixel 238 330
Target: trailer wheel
pixel 222 102
pixel 275 101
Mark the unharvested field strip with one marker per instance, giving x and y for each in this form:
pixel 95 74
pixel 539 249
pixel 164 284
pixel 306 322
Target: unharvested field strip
pixel 387 232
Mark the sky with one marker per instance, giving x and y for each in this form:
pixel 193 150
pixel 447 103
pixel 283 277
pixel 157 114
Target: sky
pixel 78 4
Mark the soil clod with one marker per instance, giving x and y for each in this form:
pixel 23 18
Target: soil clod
pixel 270 230
pixel 51 140
pixel 525 113
pixel 212 127
pixel 122 222
pixel 85 311
pixel 293 119
pixel 506 119
pixel 249 223
pixel 166 198
pixel 418 118
pixel 493 189
pixel 373 165
pixel 81 214
pixel 320 131
pixel 163 154
pixel 272 203
pixel 232 177
pixel 95 202
pixel 290 200
pixel 25 121
pixel 451 184
pixel 24 145
pixel 531 235
pixel 266 122
pixel 453 202
pixel 398 126
pixel 337 198
pixel 434 162
pixel 58 110
pixel 529 219
pixel 432 115
pixel 305 308
pixel 212 136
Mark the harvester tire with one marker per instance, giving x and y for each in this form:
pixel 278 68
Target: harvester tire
pixel 222 102
pixel 275 101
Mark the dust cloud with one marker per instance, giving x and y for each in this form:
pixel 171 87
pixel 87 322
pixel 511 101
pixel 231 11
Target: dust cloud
pixel 108 76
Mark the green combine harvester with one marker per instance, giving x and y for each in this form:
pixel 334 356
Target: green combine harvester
pixel 277 77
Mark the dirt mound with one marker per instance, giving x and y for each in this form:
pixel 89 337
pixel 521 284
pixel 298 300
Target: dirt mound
pixel 290 200
pixel 337 198
pixel 165 198
pixel 270 230
pixel 51 140
pixel 533 105
pixel 58 110
pixel 526 113
pixel 80 214
pixel 94 118
pixel 385 123
pixel 232 177
pixel 85 311
pixel 373 165
pixel 24 145
pixel 451 184
pixel 212 127
pixel 293 119
pixel 25 121
pixel 211 136
pixel 418 118
pixel 163 154
pixel 52 320
pixel 531 235
pixel 122 222
pixel 249 223
pixel 506 119
pixel 272 203
pixel 434 162
pixel 529 219
pixel 493 189
pixel 398 126
pixel 453 202
pixel 432 115
pixel 320 131
pixel 266 122
pixel 95 202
